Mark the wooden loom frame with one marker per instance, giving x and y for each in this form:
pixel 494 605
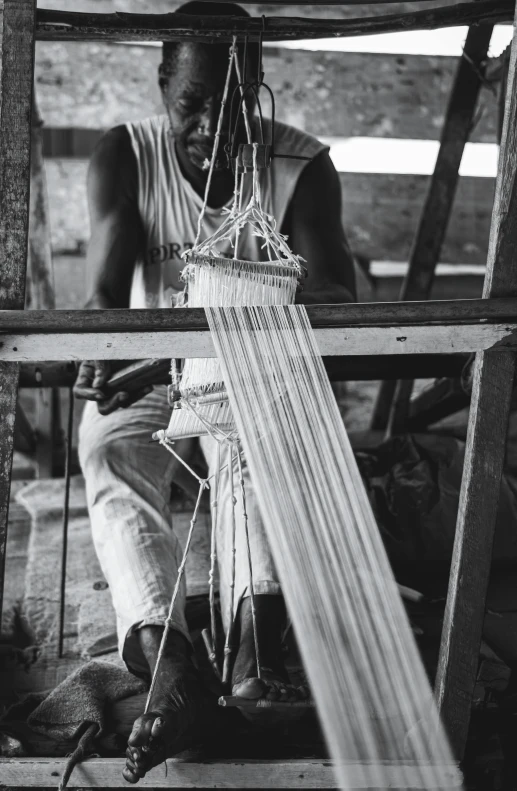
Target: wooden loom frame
pixel 488 328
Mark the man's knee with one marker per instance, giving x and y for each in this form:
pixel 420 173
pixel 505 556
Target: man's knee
pixel 107 455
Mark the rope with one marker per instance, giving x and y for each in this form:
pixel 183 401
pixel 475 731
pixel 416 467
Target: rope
pixel 213 551
pixel 239 188
pixel 216 143
pixel 168 623
pixel 168 447
pixel 261 224
pixel 241 87
pixel 248 547
pixel 66 512
pixel 228 647
pixel 83 750
pixel 288 266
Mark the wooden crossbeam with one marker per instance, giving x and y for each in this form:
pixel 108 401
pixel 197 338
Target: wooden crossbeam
pixel 359 368
pixel 243 773
pixel 392 403
pixel 285 3
pixel 369 314
pixel 484 457
pixel 69 25
pixel 441 327
pixel 404 339
pixel 40 293
pixel 17 60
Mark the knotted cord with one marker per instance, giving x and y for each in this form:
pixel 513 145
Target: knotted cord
pixel 228 646
pixel 355 639
pixel 248 548
pixel 215 149
pixel 203 404
pixel 213 550
pixel 181 570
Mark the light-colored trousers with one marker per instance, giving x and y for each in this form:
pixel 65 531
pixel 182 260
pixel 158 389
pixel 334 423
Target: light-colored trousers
pixel 128 485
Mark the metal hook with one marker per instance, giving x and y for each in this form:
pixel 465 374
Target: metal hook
pixel 260 42
pixel 245 60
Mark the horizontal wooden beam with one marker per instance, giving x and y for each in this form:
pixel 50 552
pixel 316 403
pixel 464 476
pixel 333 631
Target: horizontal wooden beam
pixel 59 25
pixel 242 773
pixel 455 311
pixel 332 341
pixel 285 3
pixel 462 326
pixel 255 9
pixel 348 369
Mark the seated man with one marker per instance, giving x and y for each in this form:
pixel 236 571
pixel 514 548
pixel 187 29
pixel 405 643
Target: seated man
pixel 145 185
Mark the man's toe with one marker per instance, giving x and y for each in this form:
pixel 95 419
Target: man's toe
pixel 129 774
pixel 273 693
pixel 142 730
pixel 158 728
pixel 250 688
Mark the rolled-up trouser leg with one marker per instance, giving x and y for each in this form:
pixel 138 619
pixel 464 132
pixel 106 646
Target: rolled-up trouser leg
pixel 265 578
pixel 128 480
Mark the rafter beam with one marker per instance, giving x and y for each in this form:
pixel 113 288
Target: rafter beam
pixel 69 25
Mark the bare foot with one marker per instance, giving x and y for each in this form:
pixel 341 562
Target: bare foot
pixel 273 684
pixel 172 724
pixel 269 686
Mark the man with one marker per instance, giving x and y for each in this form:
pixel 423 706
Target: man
pixel 145 187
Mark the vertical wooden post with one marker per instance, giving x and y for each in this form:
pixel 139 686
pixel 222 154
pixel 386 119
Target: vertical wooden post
pixel 436 210
pixel 40 295
pixel 484 457
pixel 40 275
pixel 16 77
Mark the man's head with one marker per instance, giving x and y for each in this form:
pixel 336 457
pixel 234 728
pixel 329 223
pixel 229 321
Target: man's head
pixel 192 77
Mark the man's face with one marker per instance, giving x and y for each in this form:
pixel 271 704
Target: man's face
pixel 193 96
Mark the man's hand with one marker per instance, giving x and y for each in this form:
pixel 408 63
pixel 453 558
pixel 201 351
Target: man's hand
pixel 92 378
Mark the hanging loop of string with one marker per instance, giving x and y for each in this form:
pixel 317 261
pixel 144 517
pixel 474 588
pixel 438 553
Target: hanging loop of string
pixel 203 484
pixel 214 279
pixel 232 58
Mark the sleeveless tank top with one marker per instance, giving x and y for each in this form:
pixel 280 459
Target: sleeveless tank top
pixel 169 206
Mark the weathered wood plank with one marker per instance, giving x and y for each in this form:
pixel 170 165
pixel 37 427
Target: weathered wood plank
pixel 15 138
pixel 8 398
pixel 83 87
pixel 107 772
pixel 361 368
pixel 392 405
pixel 406 339
pixel 472 311
pixel 484 458
pixel 257 9
pixel 380 213
pixel 454 311
pixel 17 57
pixel 40 277
pixel 274 4
pixel 40 291
pixel 64 25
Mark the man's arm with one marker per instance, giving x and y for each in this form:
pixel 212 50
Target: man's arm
pixel 316 233
pixel 117 234
pixel 117 237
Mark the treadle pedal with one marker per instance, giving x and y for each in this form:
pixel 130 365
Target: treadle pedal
pixel 232 701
